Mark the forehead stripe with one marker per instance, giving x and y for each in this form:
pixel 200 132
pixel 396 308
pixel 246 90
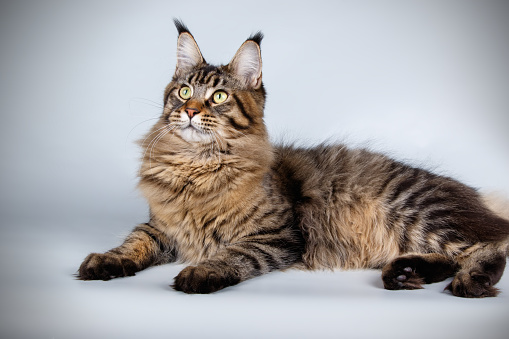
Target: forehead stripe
pixel 208 77
pixel 193 78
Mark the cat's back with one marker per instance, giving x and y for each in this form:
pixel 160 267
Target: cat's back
pixel 326 170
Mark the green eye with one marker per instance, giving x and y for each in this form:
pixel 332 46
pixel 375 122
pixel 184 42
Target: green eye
pixel 185 92
pixel 219 97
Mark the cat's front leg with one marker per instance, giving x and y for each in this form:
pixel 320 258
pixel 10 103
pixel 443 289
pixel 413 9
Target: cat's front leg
pixel 237 263
pixel 145 246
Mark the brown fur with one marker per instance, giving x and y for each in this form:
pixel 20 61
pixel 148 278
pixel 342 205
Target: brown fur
pixel 225 200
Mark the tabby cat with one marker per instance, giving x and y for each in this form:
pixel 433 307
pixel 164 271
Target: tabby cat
pixel 234 206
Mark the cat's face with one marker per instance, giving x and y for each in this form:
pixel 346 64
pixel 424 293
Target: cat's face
pixel 206 104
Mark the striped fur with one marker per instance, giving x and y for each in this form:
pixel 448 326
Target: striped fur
pixel 233 206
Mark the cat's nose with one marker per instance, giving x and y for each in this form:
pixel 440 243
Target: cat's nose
pixel 191 112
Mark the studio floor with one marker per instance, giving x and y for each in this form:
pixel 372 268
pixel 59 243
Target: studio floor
pixel 41 298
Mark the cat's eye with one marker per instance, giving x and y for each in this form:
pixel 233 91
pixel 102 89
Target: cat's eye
pixel 185 92
pixel 219 97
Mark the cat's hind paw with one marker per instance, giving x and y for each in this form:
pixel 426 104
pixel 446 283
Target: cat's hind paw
pixel 402 277
pixel 472 285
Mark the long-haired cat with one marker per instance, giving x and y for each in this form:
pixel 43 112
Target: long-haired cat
pixel 225 200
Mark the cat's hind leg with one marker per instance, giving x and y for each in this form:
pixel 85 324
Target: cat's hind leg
pixel 145 246
pixel 410 272
pixel 482 266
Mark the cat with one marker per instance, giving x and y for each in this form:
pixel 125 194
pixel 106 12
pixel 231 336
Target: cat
pixel 225 200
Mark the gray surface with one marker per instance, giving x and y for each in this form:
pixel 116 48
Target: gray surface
pixel 425 81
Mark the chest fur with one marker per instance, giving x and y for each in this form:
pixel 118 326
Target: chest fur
pixel 201 221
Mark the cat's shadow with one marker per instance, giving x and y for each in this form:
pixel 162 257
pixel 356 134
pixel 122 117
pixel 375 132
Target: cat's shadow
pixel 335 284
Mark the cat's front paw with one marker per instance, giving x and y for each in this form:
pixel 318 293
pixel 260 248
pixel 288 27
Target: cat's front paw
pixel 106 266
pixel 201 279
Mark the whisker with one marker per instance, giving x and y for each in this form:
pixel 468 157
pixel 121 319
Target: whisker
pixel 160 132
pixel 221 144
pixel 158 138
pixel 148 136
pixel 132 129
pixel 147 102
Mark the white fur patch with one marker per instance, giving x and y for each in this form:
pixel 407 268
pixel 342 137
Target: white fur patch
pixel 190 130
pixel 209 92
pixel 190 134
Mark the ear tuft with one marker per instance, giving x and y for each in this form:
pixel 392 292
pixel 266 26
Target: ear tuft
pixel 181 27
pixel 257 37
pixel 188 52
pixel 247 62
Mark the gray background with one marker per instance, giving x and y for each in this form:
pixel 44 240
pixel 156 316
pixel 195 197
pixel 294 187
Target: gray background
pixel 424 81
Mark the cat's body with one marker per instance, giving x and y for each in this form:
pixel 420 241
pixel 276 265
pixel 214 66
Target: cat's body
pixel 225 200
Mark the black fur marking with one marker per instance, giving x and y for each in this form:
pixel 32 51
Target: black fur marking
pixel 208 77
pixel 181 27
pixel 208 223
pixel 194 77
pixel 236 124
pixel 242 109
pixel 205 72
pixel 260 220
pixel 405 185
pixel 217 238
pixel 268 257
pixel 252 259
pixel 154 237
pixel 265 232
pixel 256 37
pixel 411 201
pixel 433 200
pixel 395 172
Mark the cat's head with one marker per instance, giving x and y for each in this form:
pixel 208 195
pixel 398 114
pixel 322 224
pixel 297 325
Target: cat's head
pixel 206 104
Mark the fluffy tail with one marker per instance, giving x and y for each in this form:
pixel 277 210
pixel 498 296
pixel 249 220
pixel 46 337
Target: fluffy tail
pixel 498 203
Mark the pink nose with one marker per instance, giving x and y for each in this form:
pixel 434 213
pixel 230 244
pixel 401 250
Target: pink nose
pixel 191 112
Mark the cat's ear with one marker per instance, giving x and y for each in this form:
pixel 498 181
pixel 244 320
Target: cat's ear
pixel 246 65
pixel 188 52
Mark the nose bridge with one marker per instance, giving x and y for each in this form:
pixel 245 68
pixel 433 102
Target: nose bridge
pixel 194 105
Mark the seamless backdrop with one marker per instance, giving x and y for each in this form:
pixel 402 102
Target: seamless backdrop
pixel 81 81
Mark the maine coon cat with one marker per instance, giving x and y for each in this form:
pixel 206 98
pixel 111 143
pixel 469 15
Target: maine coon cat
pixel 225 200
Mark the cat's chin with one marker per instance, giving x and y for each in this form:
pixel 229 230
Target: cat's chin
pixel 191 134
